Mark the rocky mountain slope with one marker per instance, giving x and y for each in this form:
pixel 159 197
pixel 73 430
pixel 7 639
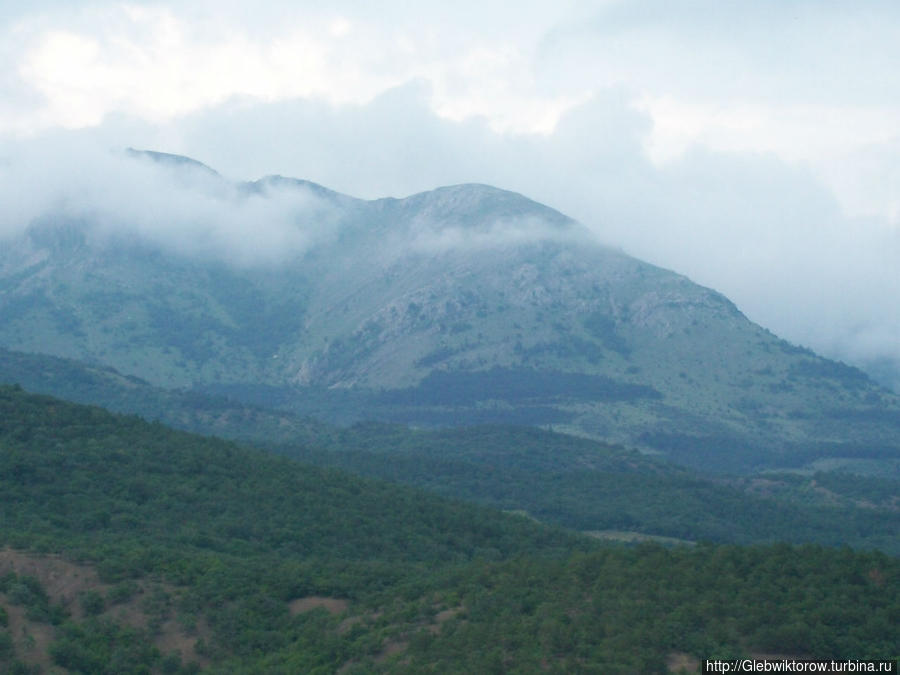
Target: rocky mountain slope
pixel 463 304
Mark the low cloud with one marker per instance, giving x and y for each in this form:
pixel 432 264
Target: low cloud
pixel 496 234
pixel 185 209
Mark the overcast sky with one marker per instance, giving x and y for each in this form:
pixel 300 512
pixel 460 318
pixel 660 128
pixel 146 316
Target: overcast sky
pixel 752 145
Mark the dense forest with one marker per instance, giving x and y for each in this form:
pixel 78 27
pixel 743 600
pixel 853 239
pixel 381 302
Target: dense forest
pixel 556 478
pixel 589 486
pixel 265 564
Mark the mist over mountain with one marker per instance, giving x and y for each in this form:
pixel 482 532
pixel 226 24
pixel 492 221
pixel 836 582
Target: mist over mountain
pixel 459 305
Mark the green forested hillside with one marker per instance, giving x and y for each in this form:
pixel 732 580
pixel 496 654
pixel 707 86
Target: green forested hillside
pixel 116 478
pixel 590 486
pixel 556 478
pixel 273 566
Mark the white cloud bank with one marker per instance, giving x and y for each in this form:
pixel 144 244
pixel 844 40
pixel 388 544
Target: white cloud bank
pixel 187 210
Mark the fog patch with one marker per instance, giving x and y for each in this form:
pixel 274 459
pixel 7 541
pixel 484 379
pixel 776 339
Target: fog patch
pixel 437 238
pixel 181 207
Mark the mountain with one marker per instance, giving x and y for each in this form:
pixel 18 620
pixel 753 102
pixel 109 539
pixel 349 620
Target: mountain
pixel 465 304
pixel 127 547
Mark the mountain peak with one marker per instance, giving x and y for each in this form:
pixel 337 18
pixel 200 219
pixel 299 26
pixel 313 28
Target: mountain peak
pixel 277 182
pixel 473 204
pixel 171 160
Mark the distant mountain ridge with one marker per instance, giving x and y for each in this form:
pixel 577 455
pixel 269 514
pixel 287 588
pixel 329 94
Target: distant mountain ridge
pixel 463 304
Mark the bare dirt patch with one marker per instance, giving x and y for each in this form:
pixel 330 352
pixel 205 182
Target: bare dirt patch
pixel 31 640
pixel 173 637
pixel 391 647
pixel 66 582
pixel 348 623
pixel 634 537
pixel 333 606
pixel 443 617
pixel 63 580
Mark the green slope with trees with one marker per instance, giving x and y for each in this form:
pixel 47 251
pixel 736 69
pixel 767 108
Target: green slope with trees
pixel 236 540
pixel 585 485
pixel 556 478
